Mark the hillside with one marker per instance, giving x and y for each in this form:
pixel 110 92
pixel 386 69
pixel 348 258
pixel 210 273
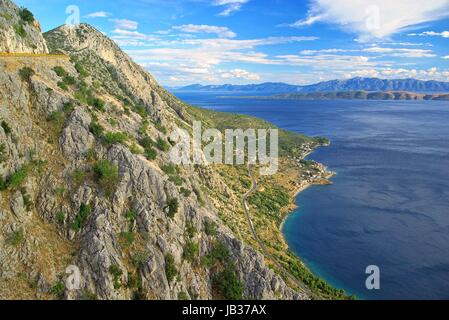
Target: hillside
pixel 86 181
pixel 355 84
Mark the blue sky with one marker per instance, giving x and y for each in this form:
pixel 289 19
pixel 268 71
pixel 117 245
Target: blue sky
pixel 253 41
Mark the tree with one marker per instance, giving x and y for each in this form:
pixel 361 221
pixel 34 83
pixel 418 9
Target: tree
pixel 26 15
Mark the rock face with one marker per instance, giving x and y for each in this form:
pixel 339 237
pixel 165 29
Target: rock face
pixel 18 35
pixel 74 195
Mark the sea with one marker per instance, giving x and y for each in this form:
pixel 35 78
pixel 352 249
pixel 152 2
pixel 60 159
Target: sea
pixel 388 205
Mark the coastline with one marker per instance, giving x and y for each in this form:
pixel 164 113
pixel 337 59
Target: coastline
pixel 323 178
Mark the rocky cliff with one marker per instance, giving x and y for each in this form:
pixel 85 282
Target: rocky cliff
pixel 85 181
pixel 19 31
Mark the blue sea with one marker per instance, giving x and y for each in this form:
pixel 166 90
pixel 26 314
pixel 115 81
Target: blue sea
pixel 389 202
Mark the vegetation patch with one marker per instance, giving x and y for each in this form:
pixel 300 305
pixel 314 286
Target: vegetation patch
pixel 26 15
pixel 116 273
pixel 191 251
pixel 106 175
pixel 15 238
pixel 115 137
pixel 58 289
pixel 172 207
pixel 81 218
pixel 6 128
pixel 162 144
pixel 3 155
pixel 170 268
pixel 271 201
pixel 126 239
pixel 26 73
pixel 20 30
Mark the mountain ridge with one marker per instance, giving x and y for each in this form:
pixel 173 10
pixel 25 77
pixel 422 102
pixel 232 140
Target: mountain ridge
pixel 86 181
pixel 354 84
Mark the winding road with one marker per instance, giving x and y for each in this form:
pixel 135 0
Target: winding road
pixel 267 254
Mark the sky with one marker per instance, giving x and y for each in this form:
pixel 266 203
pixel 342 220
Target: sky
pixel 183 42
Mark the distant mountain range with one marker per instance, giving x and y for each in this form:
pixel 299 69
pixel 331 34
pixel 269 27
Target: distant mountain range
pixel 354 84
pixel 353 95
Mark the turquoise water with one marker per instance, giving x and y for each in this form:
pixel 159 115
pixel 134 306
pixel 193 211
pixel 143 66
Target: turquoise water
pixel 389 203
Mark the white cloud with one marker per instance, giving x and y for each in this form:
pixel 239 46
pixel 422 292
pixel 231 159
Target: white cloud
pixel 98 14
pixel 125 24
pixel 401 52
pixel 444 34
pixel 230 6
pixel 401 73
pixel 240 74
pixel 199 60
pixel 222 32
pixel 378 51
pixel 374 18
pixel 445 57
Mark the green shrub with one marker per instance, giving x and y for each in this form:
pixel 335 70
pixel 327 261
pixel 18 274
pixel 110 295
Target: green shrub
pixel 210 228
pixel 162 145
pixel 26 73
pixel 82 216
pixel 170 169
pixel 172 205
pixel 190 229
pixel 67 107
pixel 186 192
pixel 135 149
pixel 131 216
pixel 150 154
pixel 115 137
pixel 191 251
pixel 3 156
pixel 26 15
pixel 116 273
pixel 89 295
pixel 218 255
pixel 141 110
pixel 197 192
pixel 60 217
pixel 57 118
pixel 15 238
pixel 60 72
pixel 160 127
pixel 177 180
pixel 183 296
pixel 96 129
pixel 170 268
pixel 58 289
pixel 126 239
pixel 78 177
pixel 80 69
pixel 63 86
pixel 144 127
pixel 146 142
pixel 6 127
pixel 19 30
pixel 228 284
pixel 139 258
pixel 69 80
pixel 106 175
pixel 97 103
pixel 15 180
